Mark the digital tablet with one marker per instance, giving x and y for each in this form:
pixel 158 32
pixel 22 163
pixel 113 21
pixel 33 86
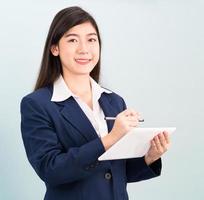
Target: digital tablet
pixel 134 144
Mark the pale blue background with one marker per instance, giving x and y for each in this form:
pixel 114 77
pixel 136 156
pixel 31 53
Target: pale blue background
pixel 152 55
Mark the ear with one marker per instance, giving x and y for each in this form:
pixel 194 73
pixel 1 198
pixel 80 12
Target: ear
pixel 55 50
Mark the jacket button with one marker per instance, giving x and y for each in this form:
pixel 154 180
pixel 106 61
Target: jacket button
pixel 108 176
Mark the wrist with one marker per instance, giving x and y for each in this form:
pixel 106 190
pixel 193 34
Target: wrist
pixel 107 141
pixel 110 139
pixel 148 160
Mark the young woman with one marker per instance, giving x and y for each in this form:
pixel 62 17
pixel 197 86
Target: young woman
pixel 62 121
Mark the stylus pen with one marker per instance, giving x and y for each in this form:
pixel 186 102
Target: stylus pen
pixel 113 118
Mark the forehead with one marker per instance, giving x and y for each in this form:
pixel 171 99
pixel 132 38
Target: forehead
pixel 83 29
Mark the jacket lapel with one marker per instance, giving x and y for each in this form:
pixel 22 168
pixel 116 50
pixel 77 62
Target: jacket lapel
pixel 73 113
pixel 108 109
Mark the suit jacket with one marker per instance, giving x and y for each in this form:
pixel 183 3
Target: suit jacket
pixel 63 148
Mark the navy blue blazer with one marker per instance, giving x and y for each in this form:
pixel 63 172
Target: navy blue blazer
pixel 63 148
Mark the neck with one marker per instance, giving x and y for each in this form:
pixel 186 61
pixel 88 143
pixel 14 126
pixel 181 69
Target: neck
pixel 78 84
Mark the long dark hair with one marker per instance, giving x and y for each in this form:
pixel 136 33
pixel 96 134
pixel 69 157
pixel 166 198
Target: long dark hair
pixel 51 67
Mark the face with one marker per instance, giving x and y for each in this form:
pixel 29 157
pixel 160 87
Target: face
pixel 78 49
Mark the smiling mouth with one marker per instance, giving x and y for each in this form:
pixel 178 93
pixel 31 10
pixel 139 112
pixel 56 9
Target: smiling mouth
pixel 82 61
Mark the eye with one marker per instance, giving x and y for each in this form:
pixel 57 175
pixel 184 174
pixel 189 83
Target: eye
pixel 92 40
pixel 72 40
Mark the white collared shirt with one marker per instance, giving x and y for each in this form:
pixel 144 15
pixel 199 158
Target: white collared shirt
pixel 96 116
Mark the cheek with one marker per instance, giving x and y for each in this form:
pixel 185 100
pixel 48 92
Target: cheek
pixel 67 54
pixel 96 52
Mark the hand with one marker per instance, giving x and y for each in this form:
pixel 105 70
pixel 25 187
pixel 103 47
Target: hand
pixel 159 145
pixel 124 122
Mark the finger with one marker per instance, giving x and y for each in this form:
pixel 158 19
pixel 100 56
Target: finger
pixel 135 117
pixel 158 144
pixel 166 135
pixel 134 113
pixel 140 116
pixel 132 118
pixel 132 123
pixel 130 112
pixel 153 145
pixel 163 142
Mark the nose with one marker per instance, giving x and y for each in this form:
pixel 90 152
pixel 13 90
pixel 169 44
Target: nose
pixel 82 48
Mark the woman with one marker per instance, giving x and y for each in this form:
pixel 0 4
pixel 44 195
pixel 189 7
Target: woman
pixel 63 126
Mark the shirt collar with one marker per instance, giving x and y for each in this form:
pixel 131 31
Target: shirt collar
pixel 61 91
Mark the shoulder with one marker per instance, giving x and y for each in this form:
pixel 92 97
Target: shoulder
pixel 41 97
pixel 115 99
pixel 113 95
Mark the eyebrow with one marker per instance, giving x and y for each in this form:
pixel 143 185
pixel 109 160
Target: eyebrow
pixel 73 34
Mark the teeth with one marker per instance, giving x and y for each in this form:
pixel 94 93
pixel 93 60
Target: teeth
pixel 82 60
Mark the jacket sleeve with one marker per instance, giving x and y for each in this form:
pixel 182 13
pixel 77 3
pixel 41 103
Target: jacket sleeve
pixel 47 156
pixel 138 170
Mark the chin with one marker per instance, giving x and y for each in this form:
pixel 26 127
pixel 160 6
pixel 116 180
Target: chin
pixel 81 72
pixel 85 69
